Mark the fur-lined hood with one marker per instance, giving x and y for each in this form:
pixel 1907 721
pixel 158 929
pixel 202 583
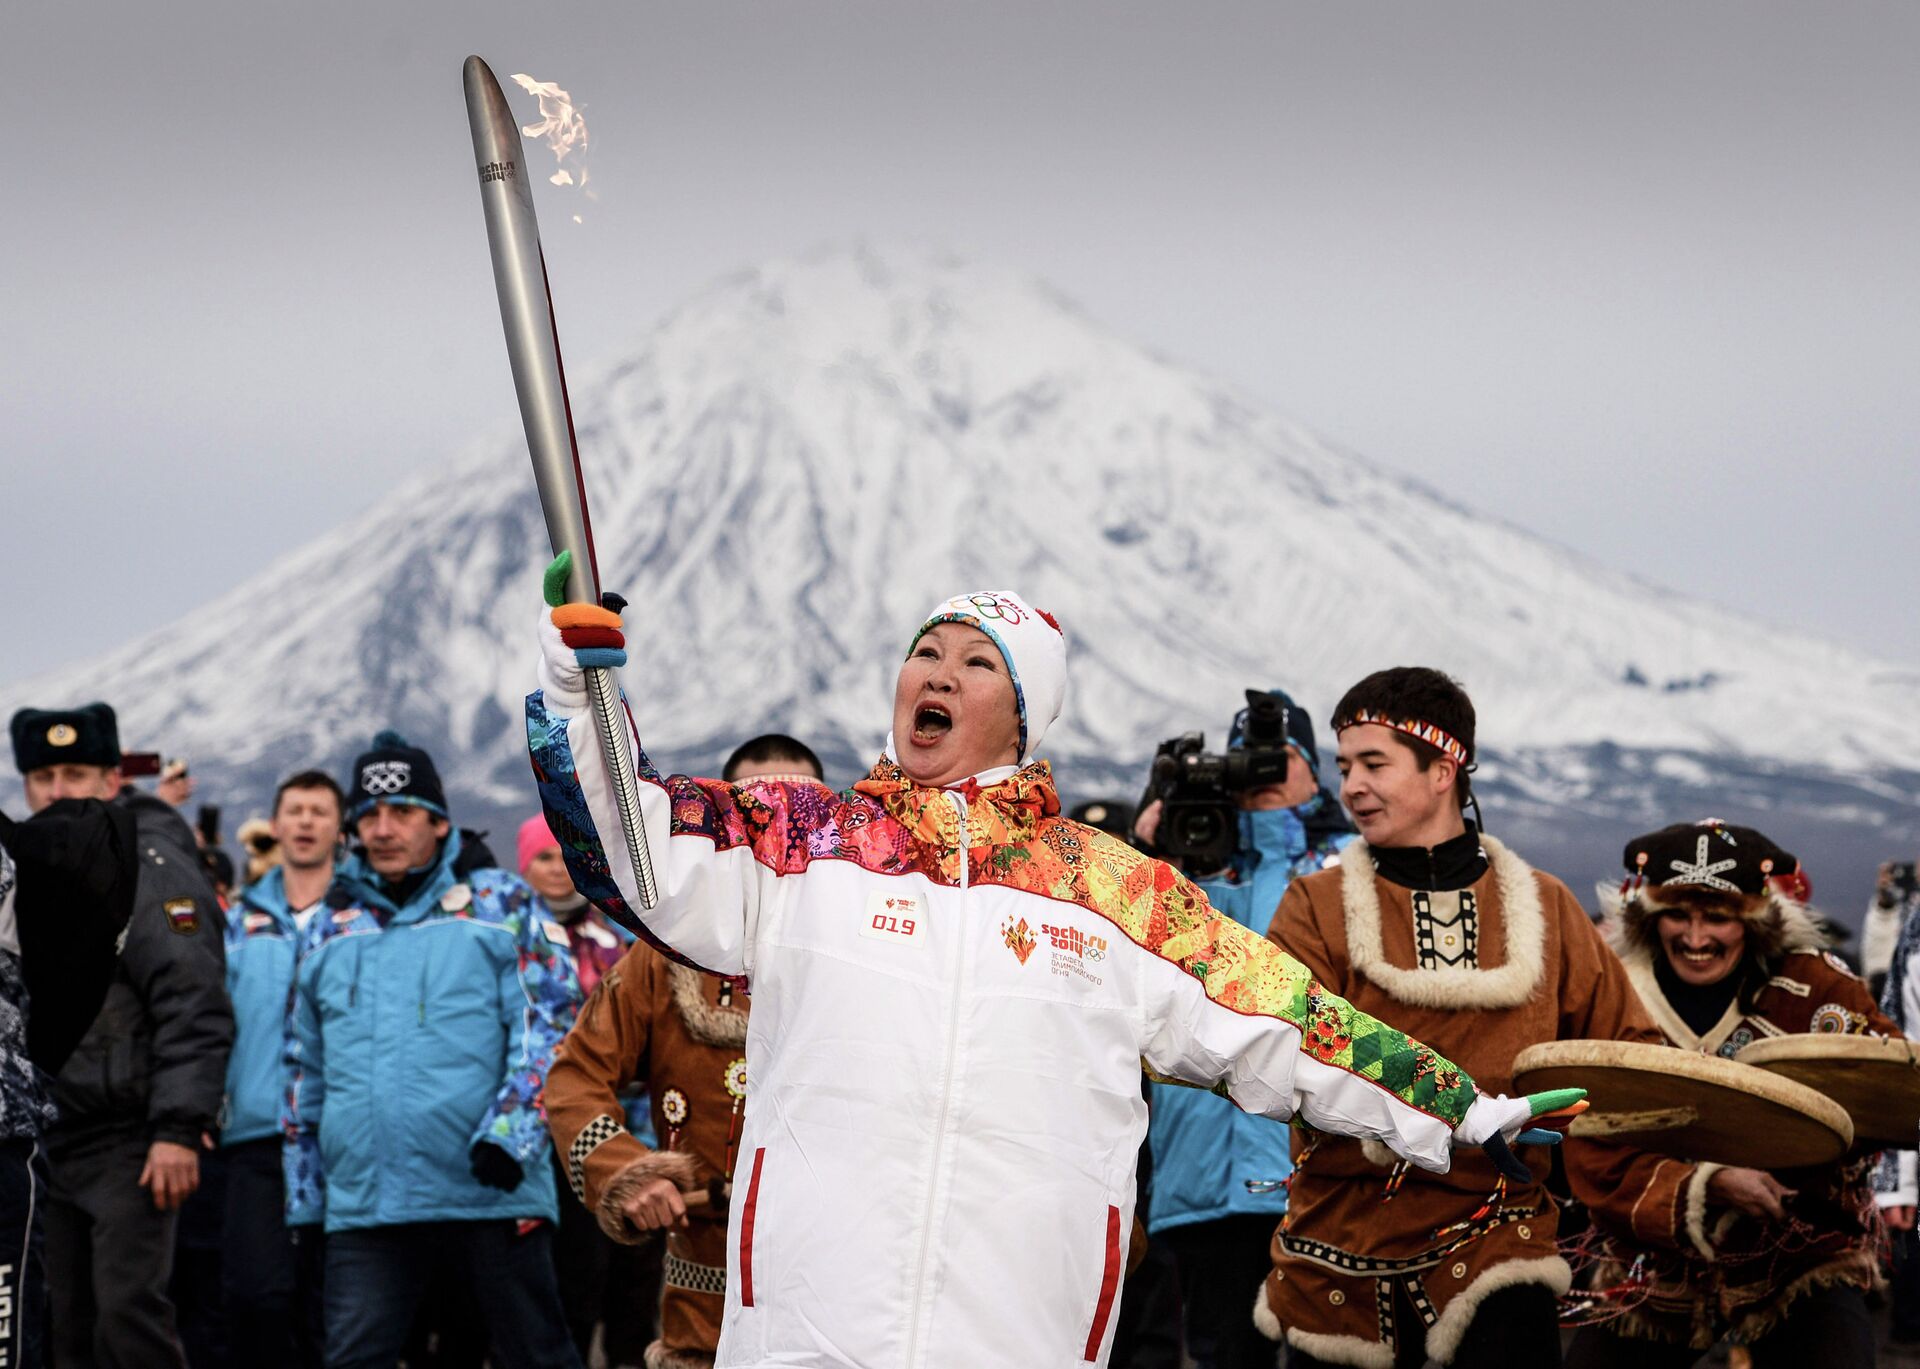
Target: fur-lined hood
pixel 1777 927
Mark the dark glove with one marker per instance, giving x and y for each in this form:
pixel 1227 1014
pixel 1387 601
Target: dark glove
pixel 493 1167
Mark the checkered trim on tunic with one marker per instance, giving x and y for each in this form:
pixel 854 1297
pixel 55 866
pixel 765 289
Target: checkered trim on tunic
pixel 1417 1295
pixel 695 1278
pixel 593 1135
pixel 1349 1262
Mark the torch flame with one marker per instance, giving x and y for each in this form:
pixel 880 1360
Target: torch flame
pixel 563 128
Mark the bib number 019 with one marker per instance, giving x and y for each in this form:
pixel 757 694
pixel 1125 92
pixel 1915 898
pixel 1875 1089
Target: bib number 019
pixel 893 917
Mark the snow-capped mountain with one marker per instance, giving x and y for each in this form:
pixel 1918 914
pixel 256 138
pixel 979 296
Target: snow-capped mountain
pixel 796 464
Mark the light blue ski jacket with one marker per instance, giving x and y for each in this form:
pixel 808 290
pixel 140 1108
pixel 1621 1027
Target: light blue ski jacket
pixel 415 1032
pixel 262 942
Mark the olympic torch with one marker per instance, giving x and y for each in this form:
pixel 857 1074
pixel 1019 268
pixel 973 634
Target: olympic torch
pixel 533 349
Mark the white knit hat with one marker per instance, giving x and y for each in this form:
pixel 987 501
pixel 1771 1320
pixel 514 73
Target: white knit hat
pixel 1031 643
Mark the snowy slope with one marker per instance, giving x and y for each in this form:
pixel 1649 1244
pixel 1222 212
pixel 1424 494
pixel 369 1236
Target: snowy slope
pixel 797 463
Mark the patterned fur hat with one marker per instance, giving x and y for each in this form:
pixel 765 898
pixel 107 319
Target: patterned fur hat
pixel 1708 854
pixel 1709 863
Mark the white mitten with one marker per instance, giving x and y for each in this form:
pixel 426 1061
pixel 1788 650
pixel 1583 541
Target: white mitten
pixel 562 678
pixel 1493 1116
pixel 573 639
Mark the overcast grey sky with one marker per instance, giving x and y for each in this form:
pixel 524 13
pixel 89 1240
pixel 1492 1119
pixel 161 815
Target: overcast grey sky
pixel 1643 278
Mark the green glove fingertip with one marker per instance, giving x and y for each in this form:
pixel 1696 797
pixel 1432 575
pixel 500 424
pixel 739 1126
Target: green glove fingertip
pixel 1554 1099
pixel 553 585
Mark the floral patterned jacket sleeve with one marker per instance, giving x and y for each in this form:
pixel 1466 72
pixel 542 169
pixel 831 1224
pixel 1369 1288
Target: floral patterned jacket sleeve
pixel 709 842
pixel 539 998
pixel 1252 1022
pixel 306 1094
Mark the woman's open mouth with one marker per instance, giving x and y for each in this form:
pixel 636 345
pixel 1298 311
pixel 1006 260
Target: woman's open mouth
pixel 931 723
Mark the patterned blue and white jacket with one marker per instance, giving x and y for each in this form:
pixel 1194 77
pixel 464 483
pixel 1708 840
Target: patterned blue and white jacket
pixel 415 1032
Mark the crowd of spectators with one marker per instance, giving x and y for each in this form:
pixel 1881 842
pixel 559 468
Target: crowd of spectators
pixel 296 1110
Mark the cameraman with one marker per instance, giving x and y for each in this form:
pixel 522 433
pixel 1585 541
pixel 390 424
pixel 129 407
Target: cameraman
pixel 1216 1170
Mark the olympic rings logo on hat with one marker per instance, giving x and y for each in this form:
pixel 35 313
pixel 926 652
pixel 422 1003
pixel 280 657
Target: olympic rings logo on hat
pixel 386 777
pixel 990 606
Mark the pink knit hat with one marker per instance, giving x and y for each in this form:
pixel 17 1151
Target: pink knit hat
pixel 535 837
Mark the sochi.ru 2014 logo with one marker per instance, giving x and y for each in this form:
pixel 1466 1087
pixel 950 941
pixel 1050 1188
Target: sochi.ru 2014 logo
pixel 1075 942
pixel 1019 938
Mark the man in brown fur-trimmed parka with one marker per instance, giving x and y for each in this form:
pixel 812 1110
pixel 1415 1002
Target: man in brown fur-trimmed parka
pixel 1449 935
pixel 1722 959
pixel 684 1034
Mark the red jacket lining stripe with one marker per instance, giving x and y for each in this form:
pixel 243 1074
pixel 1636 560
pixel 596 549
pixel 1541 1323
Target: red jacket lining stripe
pixel 1109 1281
pixel 746 1230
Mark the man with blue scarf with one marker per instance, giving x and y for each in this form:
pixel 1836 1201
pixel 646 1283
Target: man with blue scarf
pixel 428 999
pixel 1217 1171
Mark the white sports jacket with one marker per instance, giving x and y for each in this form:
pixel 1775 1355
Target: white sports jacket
pixel 953 994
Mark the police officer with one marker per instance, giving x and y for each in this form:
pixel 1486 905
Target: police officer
pixel 139 1096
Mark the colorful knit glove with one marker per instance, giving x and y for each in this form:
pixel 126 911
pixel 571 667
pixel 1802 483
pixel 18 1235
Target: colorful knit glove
pixel 575 638
pixel 1495 1123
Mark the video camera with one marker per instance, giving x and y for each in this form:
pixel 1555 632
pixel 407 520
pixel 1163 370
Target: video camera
pixel 1199 819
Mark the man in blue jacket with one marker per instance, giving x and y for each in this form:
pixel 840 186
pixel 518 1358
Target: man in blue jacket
pixel 1217 1172
pixel 427 1002
pixel 271 1285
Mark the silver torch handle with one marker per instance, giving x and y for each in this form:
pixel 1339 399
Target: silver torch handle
pixel 533 349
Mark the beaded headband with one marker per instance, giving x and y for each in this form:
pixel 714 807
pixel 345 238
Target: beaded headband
pixel 1412 727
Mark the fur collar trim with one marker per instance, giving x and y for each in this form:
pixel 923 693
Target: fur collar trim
pixel 1776 928
pixel 1523 924
pixel 707 1024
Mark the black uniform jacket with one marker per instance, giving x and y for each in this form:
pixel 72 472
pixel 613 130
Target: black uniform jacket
pixel 154 1061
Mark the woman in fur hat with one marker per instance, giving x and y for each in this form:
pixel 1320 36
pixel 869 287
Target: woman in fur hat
pixel 1722 958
